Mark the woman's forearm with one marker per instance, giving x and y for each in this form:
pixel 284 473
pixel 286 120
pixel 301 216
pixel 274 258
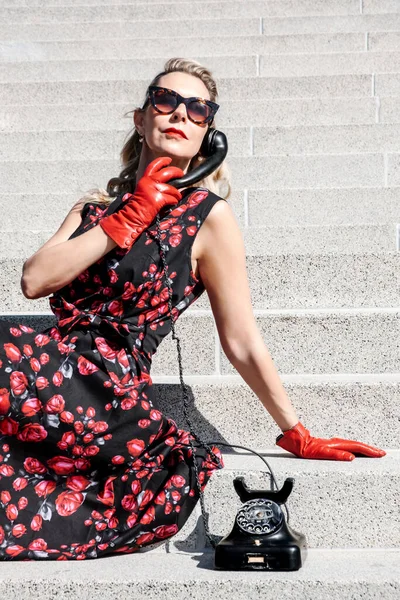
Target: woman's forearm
pixel 257 369
pixel 51 268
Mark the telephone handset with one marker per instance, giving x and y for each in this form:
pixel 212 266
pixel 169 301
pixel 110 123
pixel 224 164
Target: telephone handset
pixel 214 148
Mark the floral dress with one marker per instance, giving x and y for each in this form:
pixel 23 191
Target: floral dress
pixel 89 465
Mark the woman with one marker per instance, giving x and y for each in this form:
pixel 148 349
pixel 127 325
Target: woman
pixel 89 466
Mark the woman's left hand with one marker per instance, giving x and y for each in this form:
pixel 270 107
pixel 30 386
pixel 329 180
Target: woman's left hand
pixel 298 441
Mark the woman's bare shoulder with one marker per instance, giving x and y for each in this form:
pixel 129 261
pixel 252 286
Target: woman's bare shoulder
pixel 219 225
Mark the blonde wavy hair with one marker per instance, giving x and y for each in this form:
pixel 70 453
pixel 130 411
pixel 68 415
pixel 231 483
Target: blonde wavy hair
pixel 218 182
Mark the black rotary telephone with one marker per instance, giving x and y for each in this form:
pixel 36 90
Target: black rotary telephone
pixel 260 539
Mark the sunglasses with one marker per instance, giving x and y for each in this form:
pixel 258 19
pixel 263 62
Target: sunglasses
pixel 165 102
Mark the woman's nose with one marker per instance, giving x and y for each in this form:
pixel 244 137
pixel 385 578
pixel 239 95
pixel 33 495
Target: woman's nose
pixel 180 110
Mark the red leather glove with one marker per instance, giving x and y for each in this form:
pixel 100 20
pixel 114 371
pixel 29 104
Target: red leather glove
pixel 299 441
pixel 150 196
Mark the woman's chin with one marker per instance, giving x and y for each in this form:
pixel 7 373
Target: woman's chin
pixel 176 157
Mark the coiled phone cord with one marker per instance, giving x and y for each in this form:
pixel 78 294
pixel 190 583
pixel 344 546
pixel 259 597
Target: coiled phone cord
pixel 205 445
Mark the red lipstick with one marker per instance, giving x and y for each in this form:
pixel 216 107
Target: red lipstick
pixel 174 130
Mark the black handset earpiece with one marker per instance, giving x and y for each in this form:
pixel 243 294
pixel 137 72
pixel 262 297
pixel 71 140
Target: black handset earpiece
pixel 214 148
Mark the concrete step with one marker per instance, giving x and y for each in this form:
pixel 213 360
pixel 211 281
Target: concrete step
pixel 90 145
pixel 57 205
pixel 287 281
pixel 309 341
pixel 131 48
pixel 243 141
pixel 361 407
pixel 293 65
pixel 111 70
pixel 252 208
pixel 232 113
pixel 148 46
pixel 132 29
pixel 234 88
pixel 369 6
pixel 376 16
pixel 257 172
pixel 259 241
pixel 326 139
pixel 12 69
pixel 362 341
pixel 99 3
pixel 268 25
pixel 322 239
pixel 325 574
pixel 171 11
pixel 310 207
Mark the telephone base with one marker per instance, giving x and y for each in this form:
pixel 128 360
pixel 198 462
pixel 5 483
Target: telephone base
pixel 237 556
pixel 285 551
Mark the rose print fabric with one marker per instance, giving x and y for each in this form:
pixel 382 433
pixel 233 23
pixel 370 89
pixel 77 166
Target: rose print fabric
pixel 89 465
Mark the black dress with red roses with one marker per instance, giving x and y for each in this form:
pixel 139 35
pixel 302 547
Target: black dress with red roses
pixel 89 465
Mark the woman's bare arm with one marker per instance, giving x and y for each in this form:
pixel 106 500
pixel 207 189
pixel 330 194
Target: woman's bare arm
pixel 222 268
pixel 60 260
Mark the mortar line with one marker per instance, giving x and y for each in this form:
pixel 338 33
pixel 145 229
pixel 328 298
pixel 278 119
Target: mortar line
pixel 377 109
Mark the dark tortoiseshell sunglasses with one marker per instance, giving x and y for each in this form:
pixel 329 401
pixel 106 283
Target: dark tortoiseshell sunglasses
pixel 165 101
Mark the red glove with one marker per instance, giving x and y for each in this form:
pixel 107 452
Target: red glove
pixel 150 196
pixel 299 441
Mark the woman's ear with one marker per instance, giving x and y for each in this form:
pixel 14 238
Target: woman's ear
pixel 138 118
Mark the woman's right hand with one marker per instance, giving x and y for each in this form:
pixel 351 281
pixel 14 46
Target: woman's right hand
pixel 151 194
pixel 302 444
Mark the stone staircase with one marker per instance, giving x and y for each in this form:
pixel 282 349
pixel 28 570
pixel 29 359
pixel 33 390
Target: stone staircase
pixel 310 103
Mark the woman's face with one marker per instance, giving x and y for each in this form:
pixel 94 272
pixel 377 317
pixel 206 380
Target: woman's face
pixel 152 125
